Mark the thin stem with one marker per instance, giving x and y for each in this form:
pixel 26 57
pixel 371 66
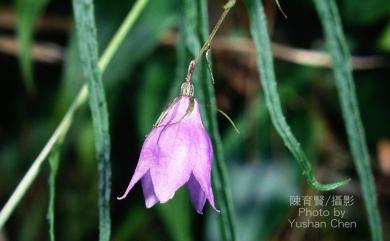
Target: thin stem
pixel 65 123
pixel 230 4
pixel 120 35
pixel 207 44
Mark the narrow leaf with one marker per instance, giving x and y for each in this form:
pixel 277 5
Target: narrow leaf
pixel 345 85
pixel 53 163
pixel 87 37
pixel 27 12
pixel 267 75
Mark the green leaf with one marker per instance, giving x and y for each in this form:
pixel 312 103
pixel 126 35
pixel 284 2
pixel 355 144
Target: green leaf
pixel 197 30
pixel 267 75
pixel 54 163
pixel 345 85
pixel 27 12
pixel 88 45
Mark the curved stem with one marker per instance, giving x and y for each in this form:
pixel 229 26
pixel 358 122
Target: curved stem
pixel 268 81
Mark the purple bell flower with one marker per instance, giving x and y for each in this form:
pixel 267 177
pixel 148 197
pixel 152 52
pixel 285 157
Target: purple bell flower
pixel 177 152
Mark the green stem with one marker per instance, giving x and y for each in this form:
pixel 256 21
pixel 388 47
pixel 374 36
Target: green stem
pixel 229 5
pixel 220 172
pixel 342 71
pixel 120 35
pixel 65 123
pixel 54 163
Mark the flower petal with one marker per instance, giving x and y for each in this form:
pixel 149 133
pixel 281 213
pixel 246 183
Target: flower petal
pixel 138 174
pixel 198 197
pixel 172 167
pixel 201 159
pixel 145 161
pixel 176 111
pixel 148 190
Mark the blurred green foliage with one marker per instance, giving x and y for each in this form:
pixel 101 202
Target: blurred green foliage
pixel 28 12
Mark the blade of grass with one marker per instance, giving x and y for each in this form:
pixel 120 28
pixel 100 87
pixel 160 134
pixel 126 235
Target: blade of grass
pixel 120 35
pixel 345 85
pixel 267 75
pixel 88 45
pixel 62 129
pixel 27 12
pixel 220 173
pixel 54 163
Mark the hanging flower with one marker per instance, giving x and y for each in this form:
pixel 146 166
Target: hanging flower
pixel 176 152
